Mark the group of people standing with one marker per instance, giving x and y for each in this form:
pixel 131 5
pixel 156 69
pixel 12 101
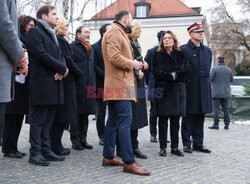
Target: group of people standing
pixel 56 92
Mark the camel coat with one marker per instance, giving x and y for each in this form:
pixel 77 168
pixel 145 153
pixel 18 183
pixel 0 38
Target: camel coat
pixel 119 82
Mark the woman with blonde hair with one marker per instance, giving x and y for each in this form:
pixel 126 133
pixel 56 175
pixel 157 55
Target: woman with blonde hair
pixel 139 109
pixel 170 69
pixel 67 113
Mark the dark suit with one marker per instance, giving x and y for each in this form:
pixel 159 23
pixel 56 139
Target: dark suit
pixel 198 91
pixel 85 105
pixel 45 92
pixel 99 70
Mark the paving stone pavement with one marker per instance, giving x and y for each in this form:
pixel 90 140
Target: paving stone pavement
pixel 229 162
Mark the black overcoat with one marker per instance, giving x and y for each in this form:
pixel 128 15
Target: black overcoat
pixel 46 60
pixel 199 99
pixel 86 102
pixel 20 104
pixel 139 109
pixel 173 99
pixel 67 113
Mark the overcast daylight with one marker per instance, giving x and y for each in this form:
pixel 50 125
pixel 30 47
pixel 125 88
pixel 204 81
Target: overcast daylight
pixel 124 91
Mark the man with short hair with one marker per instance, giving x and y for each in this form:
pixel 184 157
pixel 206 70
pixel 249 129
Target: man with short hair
pixel 220 79
pixel 119 91
pixel 99 70
pixel 198 90
pixel 11 54
pixel 83 55
pixel 46 88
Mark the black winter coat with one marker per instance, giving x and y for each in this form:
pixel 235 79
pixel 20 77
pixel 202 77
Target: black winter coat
pixel 139 109
pixel 67 113
pixel 199 99
pixel 99 64
pixel 46 60
pixel 20 104
pixel 85 87
pixel 173 100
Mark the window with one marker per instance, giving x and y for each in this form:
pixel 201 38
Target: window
pixel 141 11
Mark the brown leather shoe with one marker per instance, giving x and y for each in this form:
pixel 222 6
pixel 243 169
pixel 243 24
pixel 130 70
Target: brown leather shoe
pixel 135 169
pixel 113 162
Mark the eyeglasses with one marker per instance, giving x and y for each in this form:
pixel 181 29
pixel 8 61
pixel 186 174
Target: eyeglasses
pixel 167 38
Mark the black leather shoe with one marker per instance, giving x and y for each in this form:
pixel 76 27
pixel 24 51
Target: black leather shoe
pixel 153 139
pixel 139 154
pixel 214 127
pixel 226 127
pixel 51 156
pixel 77 146
pixel 23 154
pixel 38 160
pixel 163 153
pixel 202 149
pixel 62 151
pixel 87 146
pixel 101 142
pixel 187 149
pixel 13 155
pixel 177 152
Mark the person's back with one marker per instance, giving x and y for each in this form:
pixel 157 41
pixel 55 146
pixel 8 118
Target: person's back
pixel 221 77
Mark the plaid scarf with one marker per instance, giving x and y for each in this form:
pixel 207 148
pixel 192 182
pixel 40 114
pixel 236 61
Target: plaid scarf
pixel 85 44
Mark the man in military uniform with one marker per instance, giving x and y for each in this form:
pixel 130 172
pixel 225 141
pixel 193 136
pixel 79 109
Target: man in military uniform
pixel 199 100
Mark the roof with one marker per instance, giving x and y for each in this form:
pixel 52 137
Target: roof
pixel 158 8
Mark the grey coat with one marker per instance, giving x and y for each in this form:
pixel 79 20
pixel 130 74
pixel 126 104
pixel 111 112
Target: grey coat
pixel 221 76
pixel 10 48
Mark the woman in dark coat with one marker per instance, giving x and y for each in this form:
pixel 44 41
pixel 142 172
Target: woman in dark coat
pixel 66 113
pixel 139 109
pixel 170 69
pixel 16 110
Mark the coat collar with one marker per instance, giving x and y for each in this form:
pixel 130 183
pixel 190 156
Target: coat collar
pixel 123 31
pixel 192 45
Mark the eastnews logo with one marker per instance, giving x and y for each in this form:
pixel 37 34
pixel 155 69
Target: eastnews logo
pixel 128 92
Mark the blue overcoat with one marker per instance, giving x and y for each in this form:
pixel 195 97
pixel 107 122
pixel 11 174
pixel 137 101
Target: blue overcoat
pixel 198 88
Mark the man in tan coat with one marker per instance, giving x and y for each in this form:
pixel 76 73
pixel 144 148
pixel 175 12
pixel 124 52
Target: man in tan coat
pixel 119 90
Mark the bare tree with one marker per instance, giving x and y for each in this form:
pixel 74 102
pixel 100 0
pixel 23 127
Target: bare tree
pixel 230 34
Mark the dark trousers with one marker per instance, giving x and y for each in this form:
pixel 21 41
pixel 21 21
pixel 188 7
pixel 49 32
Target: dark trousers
pixel 11 132
pixel 163 131
pixel 100 122
pixel 119 120
pixel 2 115
pixel 223 102
pixel 152 120
pixel 79 131
pixel 193 125
pixel 134 140
pixel 56 133
pixel 42 117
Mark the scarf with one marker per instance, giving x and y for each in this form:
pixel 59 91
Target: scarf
pixel 85 44
pixel 136 44
pixel 50 30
